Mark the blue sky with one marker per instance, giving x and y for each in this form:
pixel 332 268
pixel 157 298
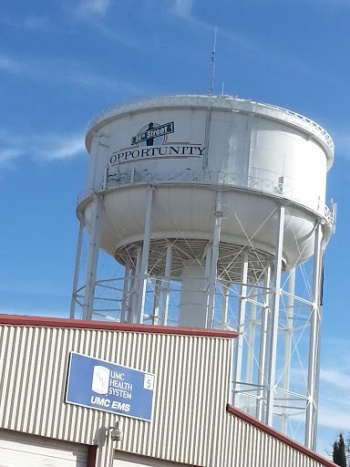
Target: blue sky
pixel 62 62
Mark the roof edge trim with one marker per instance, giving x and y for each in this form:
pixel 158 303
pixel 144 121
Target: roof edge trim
pixel 38 321
pixel 280 436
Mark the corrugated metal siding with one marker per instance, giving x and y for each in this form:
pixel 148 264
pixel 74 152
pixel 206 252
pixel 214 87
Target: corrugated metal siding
pixel 189 370
pixel 190 423
pixel 252 447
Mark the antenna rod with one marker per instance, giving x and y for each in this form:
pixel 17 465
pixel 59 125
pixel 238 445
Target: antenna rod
pixel 212 66
pixel 209 108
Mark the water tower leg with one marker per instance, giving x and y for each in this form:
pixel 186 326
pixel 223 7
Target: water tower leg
pixel 95 149
pixel 126 293
pixel 237 365
pixel 224 305
pixel 77 267
pixel 314 345
pixel 250 349
pixel 208 257
pixel 156 303
pixel 274 318
pixel 214 260
pixel 131 295
pixel 134 290
pixel 92 258
pixel 145 256
pixel 166 285
pixel 263 354
pixel 288 347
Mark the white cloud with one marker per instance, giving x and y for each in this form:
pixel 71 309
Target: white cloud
pixel 71 73
pixel 335 378
pixel 9 149
pixel 9 65
pixel 337 418
pixel 334 399
pixel 8 155
pixel 93 7
pixel 183 7
pixel 92 80
pixel 46 147
pixel 36 23
pixel 32 22
pixel 58 147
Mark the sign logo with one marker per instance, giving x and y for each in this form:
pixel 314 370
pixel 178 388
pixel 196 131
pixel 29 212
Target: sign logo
pixel 102 385
pixel 152 131
pixel 100 379
pixel 143 146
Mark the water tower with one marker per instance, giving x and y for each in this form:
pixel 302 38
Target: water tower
pixel 213 207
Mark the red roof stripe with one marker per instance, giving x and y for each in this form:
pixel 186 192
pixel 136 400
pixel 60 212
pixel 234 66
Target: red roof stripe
pixel 280 436
pixel 37 321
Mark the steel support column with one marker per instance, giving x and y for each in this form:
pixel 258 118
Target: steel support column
pixel 274 318
pixel 145 255
pixel 224 305
pixel 214 260
pixel 156 301
pixel 94 245
pixel 237 367
pixel 250 349
pixel 126 293
pixel 134 290
pixel 77 266
pixel 314 345
pixel 166 285
pixel 263 354
pixel 288 346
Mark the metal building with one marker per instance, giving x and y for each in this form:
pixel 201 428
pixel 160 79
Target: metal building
pixel 46 420
pixel 215 209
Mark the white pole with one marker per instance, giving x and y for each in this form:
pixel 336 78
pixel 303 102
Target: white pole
pixel 214 261
pixel 314 345
pixel 166 285
pixel 145 255
pixel 237 372
pixel 224 305
pixel 264 335
pixel 97 143
pixel 288 347
pixel 77 266
pixel 251 346
pixel 92 261
pixel 126 292
pixel 134 288
pixel 275 317
pixel 156 301
pixel 95 229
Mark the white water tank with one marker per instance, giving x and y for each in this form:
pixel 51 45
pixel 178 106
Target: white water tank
pixel 257 154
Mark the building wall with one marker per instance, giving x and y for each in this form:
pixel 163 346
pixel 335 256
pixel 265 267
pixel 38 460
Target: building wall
pixel 37 451
pixel 190 423
pixel 34 366
pixel 252 444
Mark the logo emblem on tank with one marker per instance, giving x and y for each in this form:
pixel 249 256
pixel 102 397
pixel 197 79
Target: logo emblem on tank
pixel 151 142
pixel 151 131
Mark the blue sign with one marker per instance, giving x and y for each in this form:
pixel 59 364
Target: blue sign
pixel 102 385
